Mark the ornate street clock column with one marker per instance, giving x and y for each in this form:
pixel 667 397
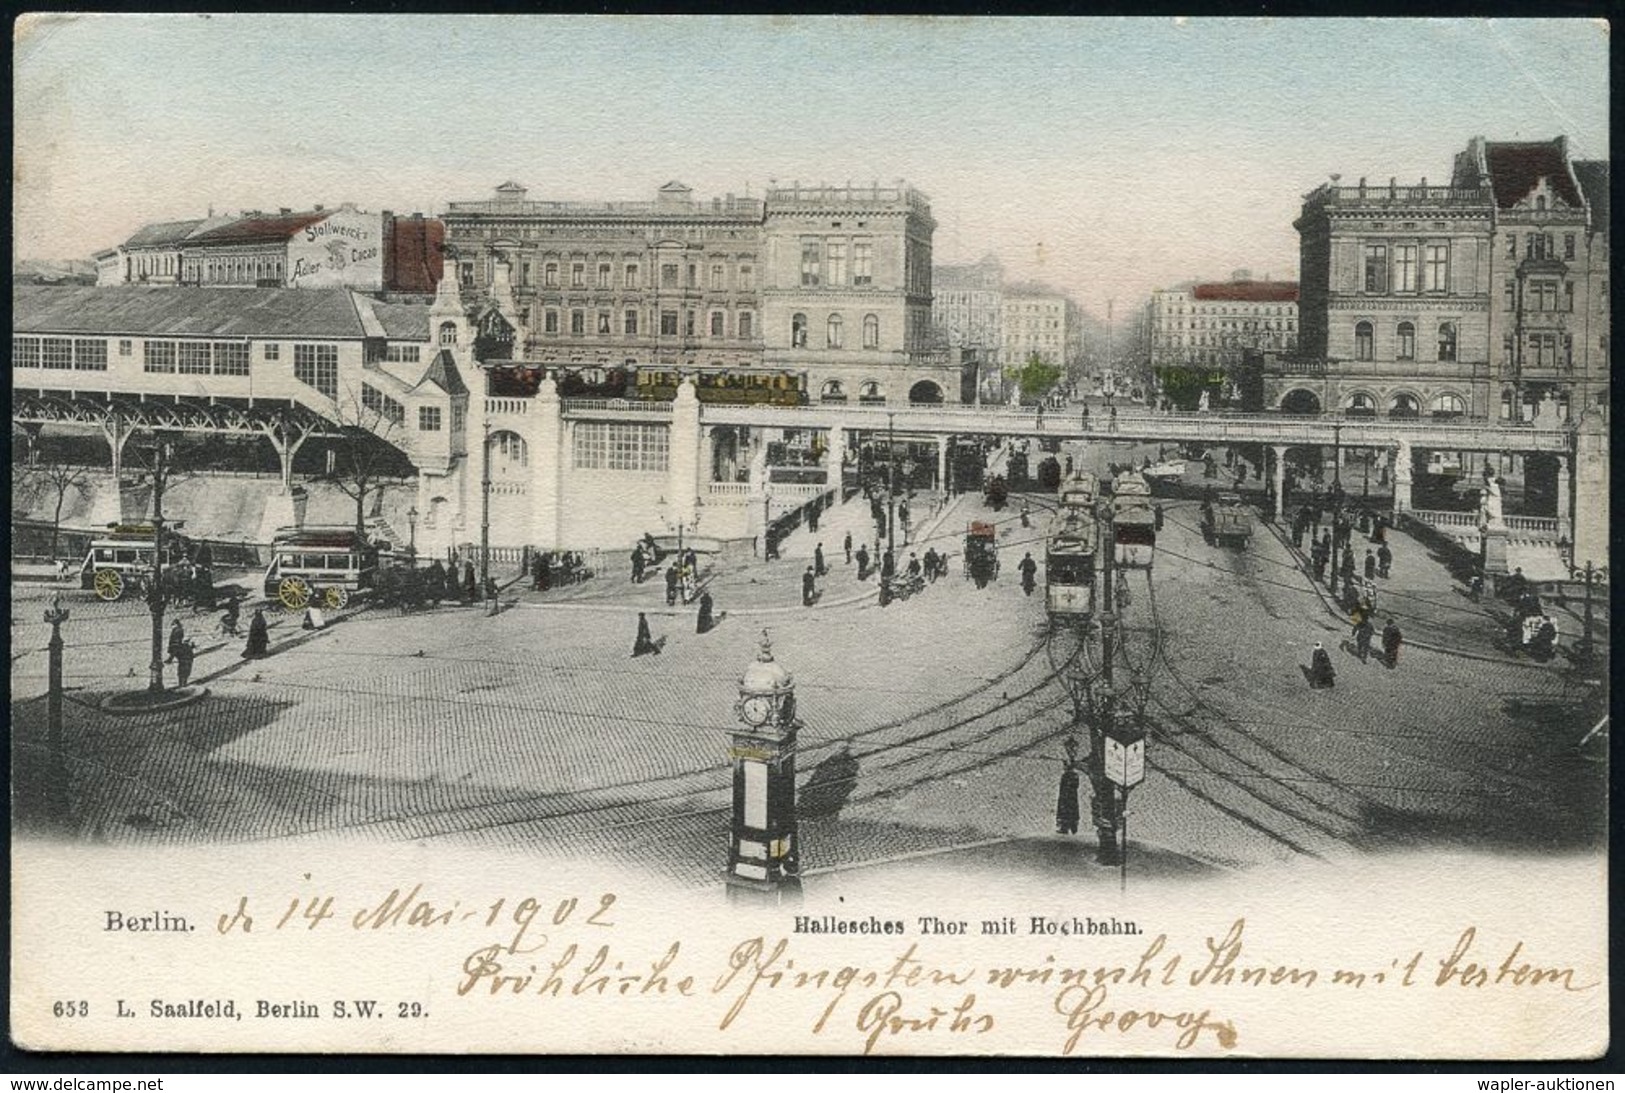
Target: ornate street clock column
pixel 763 850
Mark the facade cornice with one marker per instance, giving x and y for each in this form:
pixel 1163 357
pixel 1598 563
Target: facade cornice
pixel 1408 303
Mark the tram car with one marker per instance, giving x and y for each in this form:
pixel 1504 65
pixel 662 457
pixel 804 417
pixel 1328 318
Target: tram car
pixel 323 565
pixel 1079 492
pixel 120 562
pixel 1069 564
pixel 750 387
pixel 1134 526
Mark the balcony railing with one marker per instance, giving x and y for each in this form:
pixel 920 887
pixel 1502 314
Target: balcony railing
pixel 653 408
pixel 507 405
pixel 1442 194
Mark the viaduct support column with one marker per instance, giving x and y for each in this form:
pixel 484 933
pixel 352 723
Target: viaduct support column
pixel 1402 477
pixel 1279 480
pixel 1565 500
pixel 547 504
pixel 1590 499
pixel 835 459
pixel 683 476
pixel 942 464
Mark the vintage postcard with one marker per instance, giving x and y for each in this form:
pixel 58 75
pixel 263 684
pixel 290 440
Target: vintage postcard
pixel 846 536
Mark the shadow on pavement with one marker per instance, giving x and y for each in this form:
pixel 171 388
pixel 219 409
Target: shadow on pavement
pixel 826 792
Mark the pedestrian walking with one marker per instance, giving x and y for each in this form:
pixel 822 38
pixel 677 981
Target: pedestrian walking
pixel 846 545
pixel 812 517
pixel 1113 423
pixel 818 560
pixel 1157 516
pixel 671 584
pixel 1390 644
pixel 1084 419
pixel 1363 633
pixel 1028 569
pixel 637 565
pixel 228 621
pixel 1385 559
pixel 809 588
pixel 259 636
pixel 1321 673
pixel 184 655
pixel 862 555
pixel 1346 569
pixel 706 622
pixel 644 643
pixel 1370 564
pixel 177 638
pixel 931 565
pixel 1066 802
pixel 471 587
pixel 913 567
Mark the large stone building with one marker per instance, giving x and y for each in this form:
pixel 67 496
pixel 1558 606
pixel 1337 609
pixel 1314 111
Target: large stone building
pixel 832 284
pixel 1478 298
pixel 967 306
pixel 319 248
pixel 1037 321
pixel 1217 323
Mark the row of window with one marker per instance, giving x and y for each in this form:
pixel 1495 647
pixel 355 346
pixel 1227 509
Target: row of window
pixel 1541 295
pixel 1539 245
pixel 601 446
pixel 1544 350
pixel 1404 341
pixel 318 367
pixel 604 325
pixel 384 406
pixel 834 331
pixel 627 275
pixel 241 270
pixel 64 354
pixel 194 358
pixel 1234 310
pixel 1429 261
pixel 824 262
pixel 1402 404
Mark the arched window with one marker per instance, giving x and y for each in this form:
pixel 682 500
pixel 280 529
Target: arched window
pixel 1362 341
pixel 1405 350
pixel 1403 405
pixel 836 332
pixel 1447 341
pixel 833 392
pixel 798 331
pixel 1361 404
pixel 448 333
pixel 509 454
pixel 1448 405
pixel 871 332
pixel 871 391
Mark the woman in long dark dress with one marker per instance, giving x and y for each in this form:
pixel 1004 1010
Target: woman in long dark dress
pixel 259 635
pixel 706 622
pixel 644 643
pixel 1066 804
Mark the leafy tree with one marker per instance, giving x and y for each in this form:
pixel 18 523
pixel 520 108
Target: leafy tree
pixel 1036 377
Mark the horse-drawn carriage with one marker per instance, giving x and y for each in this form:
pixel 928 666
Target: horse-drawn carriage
pixel 324 565
pixel 120 562
pixel 981 553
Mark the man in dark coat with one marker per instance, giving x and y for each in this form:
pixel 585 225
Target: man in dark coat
pixel 1346 570
pixel 644 643
pixel 1066 803
pixel 913 566
pixel 862 556
pixel 637 564
pixel 177 638
pixel 1385 560
pixel 812 518
pixel 1363 633
pixel 1321 673
pixel 1390 644
pixel 809 588
pixel 846 544
pixel 183 662
pixel 931 564
pixel 706 622
pixel 471 586
pixel 1370 564
pixel 1028 569
pixel 671 584
pixel 818 560
pixel 259 636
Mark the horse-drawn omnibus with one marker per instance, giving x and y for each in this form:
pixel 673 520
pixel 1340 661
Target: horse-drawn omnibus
pixel 326 565
pixel 120 562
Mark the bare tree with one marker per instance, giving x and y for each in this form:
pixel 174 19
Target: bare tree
pixel 51 481
pixel 361 457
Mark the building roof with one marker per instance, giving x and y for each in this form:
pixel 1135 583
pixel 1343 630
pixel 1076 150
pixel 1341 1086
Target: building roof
pixel 402 322
pixel 1516 167
pixel 1593 177
pixel 156 235
pixel 204 312
pixel 444 374
pixel 415 254
pixel 1252 292
pixel 260 228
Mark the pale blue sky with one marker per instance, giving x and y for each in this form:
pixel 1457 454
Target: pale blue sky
pixel 1138 152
